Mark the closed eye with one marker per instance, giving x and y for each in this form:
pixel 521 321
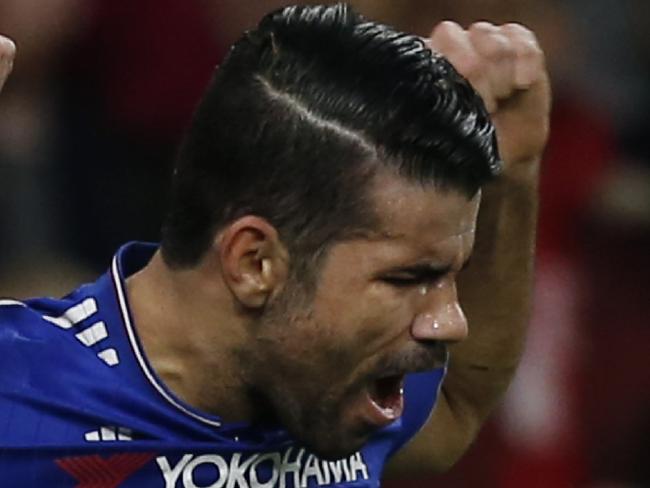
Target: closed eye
pixel 423 275
pixel 401 281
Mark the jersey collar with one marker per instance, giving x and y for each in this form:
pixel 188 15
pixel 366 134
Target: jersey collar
pixel 130 259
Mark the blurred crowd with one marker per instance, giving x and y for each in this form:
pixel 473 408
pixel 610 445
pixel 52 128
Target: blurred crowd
pixel 100 94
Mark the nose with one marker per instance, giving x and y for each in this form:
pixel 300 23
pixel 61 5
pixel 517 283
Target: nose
pixel 441 318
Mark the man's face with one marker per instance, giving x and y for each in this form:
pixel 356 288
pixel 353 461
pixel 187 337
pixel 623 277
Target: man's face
pixel 331 367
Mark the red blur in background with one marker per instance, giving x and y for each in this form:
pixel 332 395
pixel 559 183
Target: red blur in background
pixel 102 90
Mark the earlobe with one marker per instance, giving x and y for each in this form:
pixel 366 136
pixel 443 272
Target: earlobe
pixel 253 260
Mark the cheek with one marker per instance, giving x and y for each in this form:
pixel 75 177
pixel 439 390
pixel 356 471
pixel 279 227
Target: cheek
pixel 364 319
pixel 389 315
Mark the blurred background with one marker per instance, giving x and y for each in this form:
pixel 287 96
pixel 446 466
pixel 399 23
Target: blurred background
pixel 101 91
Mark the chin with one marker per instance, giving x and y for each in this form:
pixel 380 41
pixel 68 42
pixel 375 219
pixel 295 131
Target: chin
pixel 334 443
pixel 322 425
pixel 335 452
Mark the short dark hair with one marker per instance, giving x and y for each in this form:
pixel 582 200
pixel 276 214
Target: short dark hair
pixel 299 116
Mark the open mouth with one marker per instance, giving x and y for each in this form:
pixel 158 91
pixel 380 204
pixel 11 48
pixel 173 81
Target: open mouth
pixel 386 396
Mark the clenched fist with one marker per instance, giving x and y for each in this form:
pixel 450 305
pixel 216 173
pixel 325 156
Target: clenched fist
pixel 7 53
pixel 505 65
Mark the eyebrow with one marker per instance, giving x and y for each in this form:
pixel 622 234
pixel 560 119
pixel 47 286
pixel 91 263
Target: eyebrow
pixel 427 270
pixel 375 235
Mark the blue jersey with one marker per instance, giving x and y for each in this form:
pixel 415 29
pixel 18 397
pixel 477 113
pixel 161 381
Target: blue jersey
pixel 80 406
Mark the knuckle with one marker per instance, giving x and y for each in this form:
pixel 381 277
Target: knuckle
pixel 501 47
pixel 519 32
pixel 483 27
pixel 493 45
pixel 447 30
pixel 451 40
pixel 449 25
pixel 524 41
pixel 530 51
pixel 7 48
pixel 517 29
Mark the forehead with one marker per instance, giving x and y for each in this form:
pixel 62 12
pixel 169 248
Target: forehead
pixel 424 214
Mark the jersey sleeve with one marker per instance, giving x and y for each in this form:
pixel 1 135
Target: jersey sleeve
pixel 47 379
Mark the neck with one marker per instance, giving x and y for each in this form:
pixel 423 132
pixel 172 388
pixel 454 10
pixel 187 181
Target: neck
pixel 193 335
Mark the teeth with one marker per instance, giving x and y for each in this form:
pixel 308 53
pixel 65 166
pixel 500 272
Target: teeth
pixel 388 411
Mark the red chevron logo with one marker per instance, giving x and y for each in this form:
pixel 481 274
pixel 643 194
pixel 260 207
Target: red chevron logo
pixel 99 472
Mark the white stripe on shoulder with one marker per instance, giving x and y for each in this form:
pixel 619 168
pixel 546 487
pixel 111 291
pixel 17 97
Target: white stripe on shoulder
pixel 93 334
pixel 138 354
pixel 11 303
pixel 74 315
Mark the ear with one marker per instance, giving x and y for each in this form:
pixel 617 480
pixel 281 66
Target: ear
pixel 253 259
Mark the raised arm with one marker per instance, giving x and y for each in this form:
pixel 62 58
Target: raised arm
pixel 7 53
pixel 506 66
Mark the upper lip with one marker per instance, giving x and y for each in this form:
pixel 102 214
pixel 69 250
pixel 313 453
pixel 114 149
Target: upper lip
pixel 402 365
pixel 425 358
